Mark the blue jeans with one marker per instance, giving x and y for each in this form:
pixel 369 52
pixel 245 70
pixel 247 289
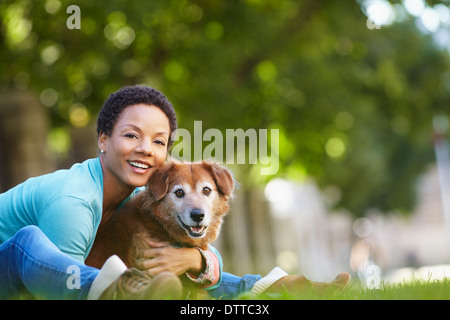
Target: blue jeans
pixel 31 264
pixel 231 286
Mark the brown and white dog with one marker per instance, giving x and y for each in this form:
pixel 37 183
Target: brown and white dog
pixel 183 203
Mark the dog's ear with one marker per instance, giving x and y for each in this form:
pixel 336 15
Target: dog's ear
pixel 158 184
pixel 223 178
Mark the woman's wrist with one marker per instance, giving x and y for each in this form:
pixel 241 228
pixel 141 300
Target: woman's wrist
pixel 198 263
pixel 207 276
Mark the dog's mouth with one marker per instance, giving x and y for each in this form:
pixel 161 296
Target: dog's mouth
pixel 194 231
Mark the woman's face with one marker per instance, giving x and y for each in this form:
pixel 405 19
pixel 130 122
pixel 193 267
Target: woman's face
pixel 137 145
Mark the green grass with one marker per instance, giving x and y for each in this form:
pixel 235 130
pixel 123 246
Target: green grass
pixel 416 290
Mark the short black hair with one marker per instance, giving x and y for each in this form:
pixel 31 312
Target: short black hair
pixel 132 95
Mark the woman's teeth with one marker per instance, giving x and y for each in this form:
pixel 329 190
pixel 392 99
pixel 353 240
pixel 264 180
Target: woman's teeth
pixel 139 165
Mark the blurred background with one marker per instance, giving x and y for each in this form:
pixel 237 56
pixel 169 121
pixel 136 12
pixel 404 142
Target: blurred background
pixel 359 91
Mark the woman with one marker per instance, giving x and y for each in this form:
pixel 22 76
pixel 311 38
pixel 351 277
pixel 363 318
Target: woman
pixel 48 223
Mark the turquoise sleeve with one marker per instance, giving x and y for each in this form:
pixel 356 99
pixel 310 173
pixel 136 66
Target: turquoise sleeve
pixel 69 223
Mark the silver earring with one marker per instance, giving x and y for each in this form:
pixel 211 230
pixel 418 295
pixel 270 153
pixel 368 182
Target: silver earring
pixel 102 151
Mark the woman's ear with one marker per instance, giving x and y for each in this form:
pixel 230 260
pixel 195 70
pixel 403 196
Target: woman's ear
pixel 102 138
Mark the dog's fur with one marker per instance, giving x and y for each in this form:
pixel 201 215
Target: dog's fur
pixel 191 217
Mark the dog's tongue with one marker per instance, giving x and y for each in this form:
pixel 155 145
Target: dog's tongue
pixel 197 229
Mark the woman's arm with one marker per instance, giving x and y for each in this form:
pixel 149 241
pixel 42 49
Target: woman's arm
pixel 201 266
pixel 161 256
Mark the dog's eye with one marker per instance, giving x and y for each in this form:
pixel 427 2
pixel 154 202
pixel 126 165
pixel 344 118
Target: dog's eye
pixel 206 191
pixel 179 193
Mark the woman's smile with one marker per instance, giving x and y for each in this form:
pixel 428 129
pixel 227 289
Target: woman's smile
pixel 140 167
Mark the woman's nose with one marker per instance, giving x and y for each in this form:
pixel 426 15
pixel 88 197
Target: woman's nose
pixel 145 147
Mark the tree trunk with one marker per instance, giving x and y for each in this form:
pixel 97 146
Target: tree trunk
pixel 24 126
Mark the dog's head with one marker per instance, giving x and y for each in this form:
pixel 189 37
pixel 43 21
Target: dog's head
pixel 191 199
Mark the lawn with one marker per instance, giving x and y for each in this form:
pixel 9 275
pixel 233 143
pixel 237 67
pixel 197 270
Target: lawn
pixel 416 290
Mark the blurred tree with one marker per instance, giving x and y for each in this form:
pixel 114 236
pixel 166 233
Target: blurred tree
pixel 353 105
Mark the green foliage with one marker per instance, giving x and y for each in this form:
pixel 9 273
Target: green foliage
pixel 354 106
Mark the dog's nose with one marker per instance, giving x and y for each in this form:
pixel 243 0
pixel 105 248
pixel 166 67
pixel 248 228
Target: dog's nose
pixel 197 215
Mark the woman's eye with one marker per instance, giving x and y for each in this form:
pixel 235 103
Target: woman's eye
pixel 130 135
pixel 160 142
pixel 206 191
pixel 179 193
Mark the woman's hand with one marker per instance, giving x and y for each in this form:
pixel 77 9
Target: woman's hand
pixel 161 256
